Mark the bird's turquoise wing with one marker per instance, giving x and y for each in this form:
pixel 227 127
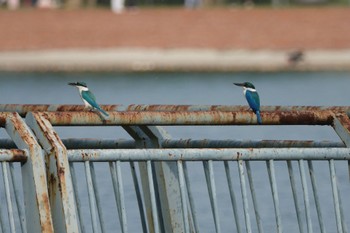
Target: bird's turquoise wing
pixel 90 98
pixel 253 100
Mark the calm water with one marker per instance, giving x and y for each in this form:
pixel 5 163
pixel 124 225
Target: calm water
pixel 326 89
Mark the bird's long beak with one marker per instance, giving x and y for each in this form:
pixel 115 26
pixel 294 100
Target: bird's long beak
pixel 239 84
pixel 72 84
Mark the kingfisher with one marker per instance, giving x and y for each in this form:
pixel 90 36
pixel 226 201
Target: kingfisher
pixel 252 98
pixel 88 97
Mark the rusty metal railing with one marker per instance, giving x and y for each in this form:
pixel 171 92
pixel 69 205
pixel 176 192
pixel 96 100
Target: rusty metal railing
pixel 161 178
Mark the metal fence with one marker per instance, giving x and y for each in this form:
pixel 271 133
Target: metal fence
pixel 154 183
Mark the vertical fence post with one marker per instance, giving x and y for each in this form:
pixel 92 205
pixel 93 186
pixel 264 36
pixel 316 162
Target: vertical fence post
pixel 60 183
pixel 167 180
pixel 36 197
pixel 244 196
pixel 341 125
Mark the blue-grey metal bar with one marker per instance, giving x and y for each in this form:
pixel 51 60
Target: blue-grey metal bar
pixel 295 195
pixel 191 199
pixel 97 198
pixel 345 227
pixel 138 197
pixel 92 198
pixel 1 220
pixel 306 195
pixel 244 196
pixel 273 184
pixel 316 197
pixel 207 143
pixel 232 196
pixel 77 199
pixel 34 177
pixel 183 196
pixel 93 143
pixel 18 202
pixel 335 196
pixel 253 193
pixel 117 181
pixel 212 188
pixel 153 197
pixel 5 176
pixel 210 154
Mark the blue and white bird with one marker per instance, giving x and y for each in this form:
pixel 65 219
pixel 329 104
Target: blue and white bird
pixel 88 97
pixel 252 98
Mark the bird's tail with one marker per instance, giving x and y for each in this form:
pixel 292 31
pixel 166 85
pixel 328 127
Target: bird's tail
pixel 103 112
pixel 258 117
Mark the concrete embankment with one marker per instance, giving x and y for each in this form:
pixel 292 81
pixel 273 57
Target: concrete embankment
pixel 142 59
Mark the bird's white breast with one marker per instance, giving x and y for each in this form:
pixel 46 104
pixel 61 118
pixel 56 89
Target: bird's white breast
pixel 245 89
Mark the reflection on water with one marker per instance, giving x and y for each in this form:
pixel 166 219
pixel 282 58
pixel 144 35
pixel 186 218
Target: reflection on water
pixel 326 89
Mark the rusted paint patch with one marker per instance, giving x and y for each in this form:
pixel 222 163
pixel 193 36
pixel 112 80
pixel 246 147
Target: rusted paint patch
pixel 52 184
pixel 18 156
pixel 25 108
pixel 192 118
pixel 46 225
pixel 344 120
pixel 299 117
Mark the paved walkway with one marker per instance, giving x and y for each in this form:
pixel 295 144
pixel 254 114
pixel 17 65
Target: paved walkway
pixel 222 39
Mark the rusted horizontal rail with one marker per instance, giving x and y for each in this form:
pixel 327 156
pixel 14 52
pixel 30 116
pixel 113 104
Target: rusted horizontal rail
pixel 190 118
pixel 23 109
pixel 204 143
pixel 91 143
pixel 189 143
pixel 209 154
pixel 13 155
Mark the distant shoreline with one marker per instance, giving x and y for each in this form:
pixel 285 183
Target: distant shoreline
pixel 170 60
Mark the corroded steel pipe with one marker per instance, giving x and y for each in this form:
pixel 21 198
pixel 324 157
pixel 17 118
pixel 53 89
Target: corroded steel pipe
pixel 190 118
pixel 91 143
pixel 209 154
pixel 22 109
pixel 190 143
pixel 13 155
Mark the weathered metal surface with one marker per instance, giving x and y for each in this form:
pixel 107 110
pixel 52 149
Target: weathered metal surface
pixel 60 183
pixel 337 207
pixel 144 117
pixel 254 197
pixel 13 155
pixel 167 181
pixel 8 194
pixel 183 192
pixel 209 154
pixel 341 125
pixel 117 181
pixel 295 196
pixel 36 198
pixel 190 118
pixel 143 141
pixel 244 196
pixel 206 143
pixel 18 199
pixel 316 196
pixel 210 179
pixel 273 185
pixel 232 196
pixel 93 143
pixel 23 109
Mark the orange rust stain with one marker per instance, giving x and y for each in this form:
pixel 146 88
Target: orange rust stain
pixel 46 226
pixel 18 156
